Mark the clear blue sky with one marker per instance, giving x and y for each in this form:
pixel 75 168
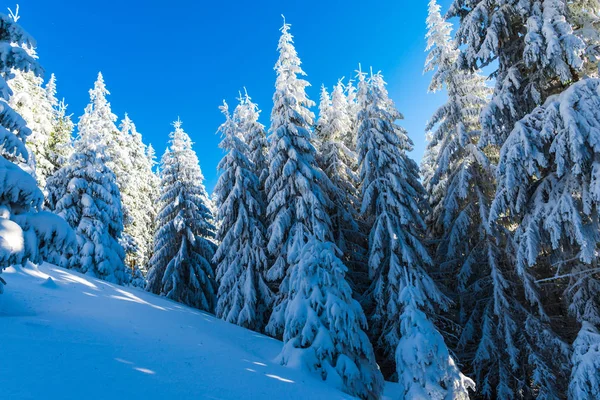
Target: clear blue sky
pixel 181 58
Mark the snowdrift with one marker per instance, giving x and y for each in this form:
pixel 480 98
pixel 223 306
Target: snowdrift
pixel 68 336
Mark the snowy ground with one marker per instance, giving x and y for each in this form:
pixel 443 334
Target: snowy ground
pixel 67 336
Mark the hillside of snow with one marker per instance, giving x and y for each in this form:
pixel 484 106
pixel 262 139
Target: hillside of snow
pixel 68 336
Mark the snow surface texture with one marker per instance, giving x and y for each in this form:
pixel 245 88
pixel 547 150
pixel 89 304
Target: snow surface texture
pixel 71 336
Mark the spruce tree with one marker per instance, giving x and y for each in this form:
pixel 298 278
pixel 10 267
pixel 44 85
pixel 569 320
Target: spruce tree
pixel 101 118
pixel 584 16
pixel 180 267
pixel 460 190
pixel 538 55
pixel 290 137
pixel 549 179
pixel 255 136
pixel 324 108
pixel 26 233
pixel 85 193
pixel 60 142
pixel 340 164
pixel 244 297
pixel 352 102
pixel 140 195
pixel 406 299
pixel 322 325
pixel 29 99
pixel 536 52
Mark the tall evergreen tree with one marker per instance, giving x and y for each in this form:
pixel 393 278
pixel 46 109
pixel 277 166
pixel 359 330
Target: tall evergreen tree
pixel 255 137
pixel 324 108
pixel 549 179
pixel 460 189
pixel 537 56
pixel 141 197
pixel 323 326
pixel 584 16
pixel 340 165
pixel 405 297
pixel 180 267
pixel 290 211
pixel 85 193
pixel 535 50
pixel 26 233
pixel 101 118
pixel 353 114
pixel 244 297
pixel 30 101
pixel 60 142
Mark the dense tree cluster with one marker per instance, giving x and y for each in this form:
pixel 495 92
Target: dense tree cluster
pixel 474 276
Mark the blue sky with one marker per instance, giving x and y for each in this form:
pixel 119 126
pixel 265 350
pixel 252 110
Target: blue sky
pixel 162 60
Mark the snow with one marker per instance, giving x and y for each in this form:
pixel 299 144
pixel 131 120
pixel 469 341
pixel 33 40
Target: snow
pixel 11 239
pixel 95 340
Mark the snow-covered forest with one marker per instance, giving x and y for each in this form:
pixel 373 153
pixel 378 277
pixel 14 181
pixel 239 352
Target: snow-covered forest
pixel 472 275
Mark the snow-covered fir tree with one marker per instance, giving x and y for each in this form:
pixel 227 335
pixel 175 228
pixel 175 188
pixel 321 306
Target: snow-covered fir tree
pixel 141 196
pixel 180 267
pixel 255 136
pixel 29 99
pixel 323 326
pixel 536 52
pixel 100 117
pixel 427 167
pixel 548 181
pixel 584 17
pixel 406 299
pixel 340 164
pixel 353 114
pixel 154 179
pixel 85 193
pixel 153 182
pixel 60 143
pixel 26 233
pixel 537 55
pixel 469 253
pixel 290 135
pixel 324 107
pixel 243 297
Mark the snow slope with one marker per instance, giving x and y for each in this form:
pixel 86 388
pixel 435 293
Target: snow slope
pixel 64 335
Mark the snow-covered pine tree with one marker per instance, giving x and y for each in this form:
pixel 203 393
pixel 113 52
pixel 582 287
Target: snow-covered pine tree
pixel 537 56
pixel 154 194
pixel 427 169
pixel 461 188
pixel 255 136
pixel 85 193
pixel 340 165
pixel 324 107
pixel 29 99
pixel 290 154
pixel 584 17
pixel 141 197
pixel 100 117
pixel 405 298
pixel 353 114
pixel 536 52
pixel 323 326
pixel 243 297
pixel 25 232
pixel 180 267
pixel 60 142
pixel 154 179
pixel 548 181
